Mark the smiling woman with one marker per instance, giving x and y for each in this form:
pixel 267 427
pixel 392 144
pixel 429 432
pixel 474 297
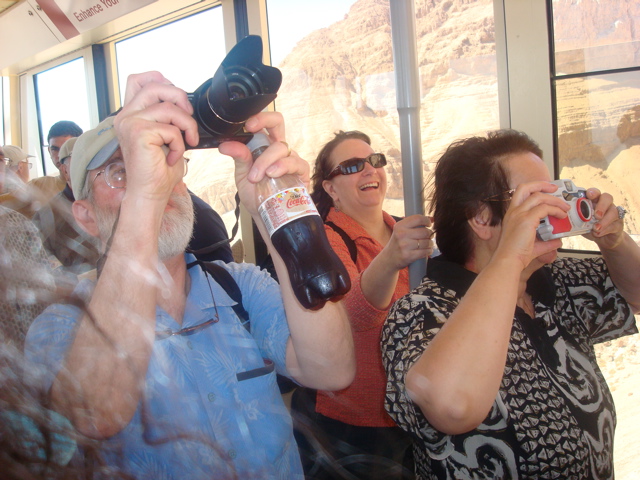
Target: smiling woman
pixel 349 188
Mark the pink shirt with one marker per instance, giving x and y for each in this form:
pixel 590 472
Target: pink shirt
pixel 362 403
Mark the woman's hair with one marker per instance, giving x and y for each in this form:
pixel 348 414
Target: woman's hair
pixel 323 167
pixel 467 173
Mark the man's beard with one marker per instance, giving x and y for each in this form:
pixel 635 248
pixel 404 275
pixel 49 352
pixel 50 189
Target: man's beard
pixel 175 231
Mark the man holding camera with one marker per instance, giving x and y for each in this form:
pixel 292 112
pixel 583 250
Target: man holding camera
pixel 158 365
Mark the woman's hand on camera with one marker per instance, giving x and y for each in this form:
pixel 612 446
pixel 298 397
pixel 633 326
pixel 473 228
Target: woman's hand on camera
pixel 608 231
pixel 411 240
pixel 529 204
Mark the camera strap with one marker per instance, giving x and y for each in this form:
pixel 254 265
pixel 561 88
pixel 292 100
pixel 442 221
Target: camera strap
pixel 234 230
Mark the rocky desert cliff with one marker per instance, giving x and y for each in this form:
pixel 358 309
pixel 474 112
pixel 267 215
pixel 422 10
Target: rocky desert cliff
pixel 341 77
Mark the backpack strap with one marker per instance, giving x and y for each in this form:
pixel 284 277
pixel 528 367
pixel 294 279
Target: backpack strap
pixel 223 278
pixel 348 241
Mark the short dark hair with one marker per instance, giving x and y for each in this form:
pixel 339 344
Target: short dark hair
pixel 323 167
pixel 64 128
pixel 467 173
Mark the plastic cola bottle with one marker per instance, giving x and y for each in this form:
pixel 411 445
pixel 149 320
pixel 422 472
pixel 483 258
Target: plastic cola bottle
pixel 297 233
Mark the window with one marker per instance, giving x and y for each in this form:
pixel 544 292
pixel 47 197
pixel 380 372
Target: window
pixel 597 88
pixel 62 94
pixel 338 74
pixel 596 79
pixel 2 103
pixel 187 52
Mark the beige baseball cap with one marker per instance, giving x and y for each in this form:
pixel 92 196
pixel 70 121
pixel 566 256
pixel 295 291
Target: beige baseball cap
pixel 92 149
pixel 67 148
pixel 14 155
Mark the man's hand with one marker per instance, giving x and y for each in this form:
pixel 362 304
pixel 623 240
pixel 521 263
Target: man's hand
pixel 149 129
pixel 276 161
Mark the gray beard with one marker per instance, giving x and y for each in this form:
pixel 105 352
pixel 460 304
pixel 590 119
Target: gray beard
pixel 175 231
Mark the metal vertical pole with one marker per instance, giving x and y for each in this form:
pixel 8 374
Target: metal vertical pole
pixel 403 33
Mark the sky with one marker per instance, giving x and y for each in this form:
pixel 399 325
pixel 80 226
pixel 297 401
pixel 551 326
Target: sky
pixel 189 62
pixel 285 32
pixel 187 52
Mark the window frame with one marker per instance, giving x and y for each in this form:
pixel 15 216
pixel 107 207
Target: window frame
pixel 523 50
pixel 30 121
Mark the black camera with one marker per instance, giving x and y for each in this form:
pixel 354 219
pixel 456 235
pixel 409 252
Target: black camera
pixel 241 87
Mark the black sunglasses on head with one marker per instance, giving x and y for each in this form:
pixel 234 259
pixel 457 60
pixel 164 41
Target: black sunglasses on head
pixel 355 165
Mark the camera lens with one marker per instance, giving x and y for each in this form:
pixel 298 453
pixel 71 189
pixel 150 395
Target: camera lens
pixel 241 87
pixel 242 83
pixel 584 209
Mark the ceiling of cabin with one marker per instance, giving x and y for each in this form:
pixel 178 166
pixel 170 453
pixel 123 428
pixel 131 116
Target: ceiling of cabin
pixel 4 4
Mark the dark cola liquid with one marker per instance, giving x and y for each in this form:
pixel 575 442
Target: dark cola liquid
pixel 316 272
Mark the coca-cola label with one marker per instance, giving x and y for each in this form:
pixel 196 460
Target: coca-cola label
pixel 285 206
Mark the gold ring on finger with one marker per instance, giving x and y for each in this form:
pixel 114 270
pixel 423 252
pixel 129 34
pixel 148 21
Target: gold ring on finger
pixel 288 148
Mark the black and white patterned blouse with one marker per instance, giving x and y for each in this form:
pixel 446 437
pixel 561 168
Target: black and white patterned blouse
pixel 554 416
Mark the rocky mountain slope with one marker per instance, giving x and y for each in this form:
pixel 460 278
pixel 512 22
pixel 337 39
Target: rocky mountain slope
pixel 342 77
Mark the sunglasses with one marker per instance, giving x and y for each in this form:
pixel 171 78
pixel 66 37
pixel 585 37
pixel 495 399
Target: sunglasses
pixel 355 165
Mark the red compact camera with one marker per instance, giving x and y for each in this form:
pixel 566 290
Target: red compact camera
pixel 579 220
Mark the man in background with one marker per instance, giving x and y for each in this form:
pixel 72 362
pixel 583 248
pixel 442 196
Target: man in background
pixel 62 237
pixel 15 193
pixel 18 161
pixel 48 186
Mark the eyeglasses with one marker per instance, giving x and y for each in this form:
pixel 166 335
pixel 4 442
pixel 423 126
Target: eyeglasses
pixel 500 197
pixel 115 174
pixel 163 334
pixel 16 167
pixel 355 165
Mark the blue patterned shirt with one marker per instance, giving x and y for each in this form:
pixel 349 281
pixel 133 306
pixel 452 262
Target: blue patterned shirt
pixel 201 415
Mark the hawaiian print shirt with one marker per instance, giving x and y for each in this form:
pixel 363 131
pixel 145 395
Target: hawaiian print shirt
pixel 211 407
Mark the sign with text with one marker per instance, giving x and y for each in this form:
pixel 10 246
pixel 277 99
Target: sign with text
pixel 73 17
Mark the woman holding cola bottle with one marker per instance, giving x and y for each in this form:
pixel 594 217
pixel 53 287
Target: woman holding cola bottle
pixel 349 429
pixel 490 360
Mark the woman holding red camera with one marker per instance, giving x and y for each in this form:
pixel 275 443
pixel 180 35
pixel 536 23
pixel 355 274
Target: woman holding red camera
pixel 490 360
